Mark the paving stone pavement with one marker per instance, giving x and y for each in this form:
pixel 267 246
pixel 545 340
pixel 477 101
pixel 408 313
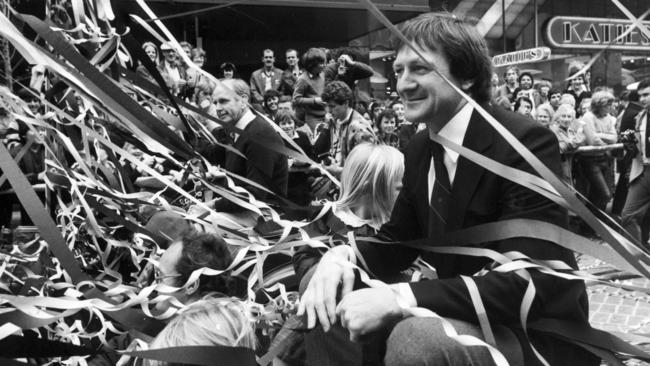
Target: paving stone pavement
pixel 616 310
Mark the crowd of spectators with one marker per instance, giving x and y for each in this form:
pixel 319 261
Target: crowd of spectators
pixel 593 137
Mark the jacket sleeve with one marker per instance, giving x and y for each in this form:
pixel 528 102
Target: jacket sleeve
pixel 300 93
pixel 359 71
pixel 502 293
pixel 255 92
pixel 260 163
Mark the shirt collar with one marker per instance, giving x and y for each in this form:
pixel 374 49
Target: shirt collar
pixel 455 129
pixel 245 120
pixel 339 122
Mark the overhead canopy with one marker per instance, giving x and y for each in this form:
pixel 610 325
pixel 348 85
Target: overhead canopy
pixel 489 12
pixel 402 5
pixel 280 20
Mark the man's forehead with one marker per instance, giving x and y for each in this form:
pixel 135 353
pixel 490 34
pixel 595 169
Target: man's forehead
pixel 224 91
pixel 644 91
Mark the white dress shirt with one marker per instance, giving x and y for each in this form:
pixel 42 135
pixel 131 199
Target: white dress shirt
pixel 454 131
pixel 243 122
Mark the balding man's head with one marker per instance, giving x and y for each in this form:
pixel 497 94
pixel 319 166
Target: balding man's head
pixel 231 99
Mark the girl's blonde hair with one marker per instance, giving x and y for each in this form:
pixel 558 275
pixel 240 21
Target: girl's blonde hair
pixel 216 321
pixel 371 171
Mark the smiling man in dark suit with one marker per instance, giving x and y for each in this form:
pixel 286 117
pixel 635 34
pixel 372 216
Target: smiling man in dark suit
pixel 444 192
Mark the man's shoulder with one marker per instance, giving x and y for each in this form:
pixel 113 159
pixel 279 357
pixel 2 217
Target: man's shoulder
pixel 257 72
pixel 262 129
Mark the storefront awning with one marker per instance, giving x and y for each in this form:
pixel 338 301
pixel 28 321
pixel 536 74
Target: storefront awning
pixel 402 5
pixel 489 12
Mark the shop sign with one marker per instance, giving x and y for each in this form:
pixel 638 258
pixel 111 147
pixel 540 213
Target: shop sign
pixel 595 33
pixel 521 57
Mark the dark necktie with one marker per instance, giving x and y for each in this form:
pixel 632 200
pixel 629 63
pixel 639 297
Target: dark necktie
pixel 440 194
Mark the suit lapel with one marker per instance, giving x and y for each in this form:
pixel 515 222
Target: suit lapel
pixel 478 138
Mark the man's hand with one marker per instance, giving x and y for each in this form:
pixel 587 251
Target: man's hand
pixel 346 60
pixel 319 300
pixel 319 101
pixel 367 310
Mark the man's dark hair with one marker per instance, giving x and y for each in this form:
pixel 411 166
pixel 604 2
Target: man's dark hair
pixel 271 93
pixel 554 91
pixel 464 48
pixel 523 99
pixel 313 57
pixel 511 68
pixel 335 53
pixel 645 83
pixel 338 92
pixel 204 250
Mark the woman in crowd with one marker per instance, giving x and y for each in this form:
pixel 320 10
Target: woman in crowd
pixel 584 107
pixel 544 113
pixel 228 70
pixel 599 130
pixel 216 321
pixel 386 125
pixel 526 82
pixel 152 51
pixel 570 135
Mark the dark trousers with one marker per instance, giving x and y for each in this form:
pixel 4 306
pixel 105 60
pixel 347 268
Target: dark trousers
pixel 598 172
pixel 636 207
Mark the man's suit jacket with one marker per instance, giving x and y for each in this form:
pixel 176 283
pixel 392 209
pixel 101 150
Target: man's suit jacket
pixel 261 165
pixel 258 83
pixel 479 196
pixel 636 169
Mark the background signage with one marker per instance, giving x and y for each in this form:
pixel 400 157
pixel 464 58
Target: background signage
pixel 521 57
pixel 595 33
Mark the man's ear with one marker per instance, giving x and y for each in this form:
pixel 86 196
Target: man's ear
pixel 465 85
pixel 192 287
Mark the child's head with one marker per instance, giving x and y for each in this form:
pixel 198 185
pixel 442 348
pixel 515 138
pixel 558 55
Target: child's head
pixel 372 177
pixel 217 321
pixel 285 120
